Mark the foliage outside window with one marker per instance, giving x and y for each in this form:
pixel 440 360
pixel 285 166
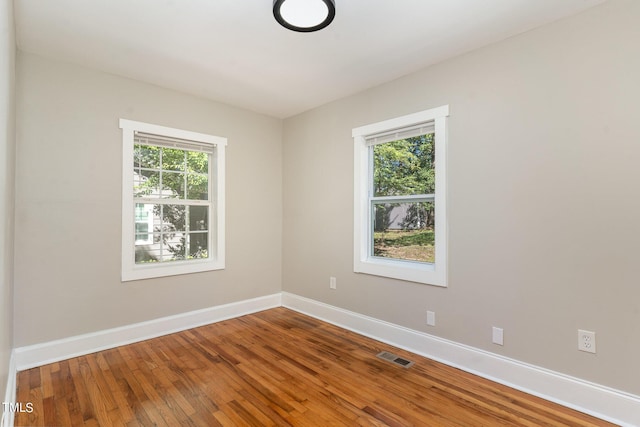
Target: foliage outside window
pixel 173 198
pixel 171 184
pixel 400 208
pixel 403 227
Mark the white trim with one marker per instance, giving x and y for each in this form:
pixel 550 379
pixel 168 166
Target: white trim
pixel 10 392
pixel 132 126
pixel 363 261
pixel 53 351
pixel 401 122
pixel 594 399
pixel 219 197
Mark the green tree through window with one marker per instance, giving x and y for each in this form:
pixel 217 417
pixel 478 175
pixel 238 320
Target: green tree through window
pixel 404 229
pixel 180 230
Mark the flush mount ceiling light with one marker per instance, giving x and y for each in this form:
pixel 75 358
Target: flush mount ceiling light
pixel 304 16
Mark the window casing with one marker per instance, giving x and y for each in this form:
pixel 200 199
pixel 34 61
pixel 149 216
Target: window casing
pixel 415 209
pixel 172 201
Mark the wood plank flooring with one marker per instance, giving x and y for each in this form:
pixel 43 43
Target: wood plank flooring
pixel 273 368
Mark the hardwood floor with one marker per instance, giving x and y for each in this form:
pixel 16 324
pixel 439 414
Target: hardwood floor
pixel 273 368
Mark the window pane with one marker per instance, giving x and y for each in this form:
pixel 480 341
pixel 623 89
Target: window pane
pixel 145 183
pixel 173 218
pixel 404 167
pixel 404 231
pixel 198 245
pixel 145 156
pixel 197 187
pixel 149 253
pixel 144 220
pixel 173 184
pixel 173 159
pixel 197 162
pixel 173 246
pixel 198 218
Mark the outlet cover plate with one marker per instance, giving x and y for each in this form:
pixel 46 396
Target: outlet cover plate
pixel 431 318
pixel 586 341
pixel 498 336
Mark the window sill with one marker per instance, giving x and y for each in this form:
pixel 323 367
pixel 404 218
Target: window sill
pixel 410 271
pixel 152 270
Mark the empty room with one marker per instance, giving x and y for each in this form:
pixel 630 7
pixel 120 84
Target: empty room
pixel 319 212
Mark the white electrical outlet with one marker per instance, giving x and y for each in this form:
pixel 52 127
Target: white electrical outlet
pixel 498 336
pixel 332 283
pixel 586 341
pixel 431 318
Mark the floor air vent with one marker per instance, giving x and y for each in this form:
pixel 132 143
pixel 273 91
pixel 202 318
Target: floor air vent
pixel 390 357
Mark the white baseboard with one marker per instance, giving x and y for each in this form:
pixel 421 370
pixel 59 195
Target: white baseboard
pixel 53 351
pixel 594 399
pixel 10 393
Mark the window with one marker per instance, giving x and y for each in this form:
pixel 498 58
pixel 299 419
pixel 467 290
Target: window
pixel 172 201
pixel 400 228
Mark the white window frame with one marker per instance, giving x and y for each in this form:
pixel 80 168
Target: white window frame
pixel 216 259
pixel 364 262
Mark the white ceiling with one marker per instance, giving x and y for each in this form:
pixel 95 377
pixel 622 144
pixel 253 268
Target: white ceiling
pixel 234 52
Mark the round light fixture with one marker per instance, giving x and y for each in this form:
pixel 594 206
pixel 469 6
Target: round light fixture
pixel 304 16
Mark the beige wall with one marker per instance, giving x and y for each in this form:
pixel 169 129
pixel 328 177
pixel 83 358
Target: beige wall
pixel 68 202
pixel 543 197
pixel 7 147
